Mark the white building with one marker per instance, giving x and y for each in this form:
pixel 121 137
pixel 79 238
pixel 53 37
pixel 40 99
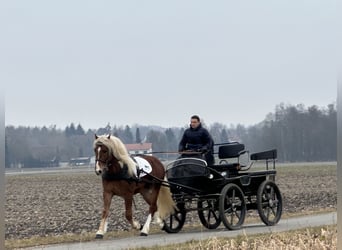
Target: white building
pixel 139 148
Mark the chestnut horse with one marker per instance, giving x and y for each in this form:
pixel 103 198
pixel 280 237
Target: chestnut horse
pixel 120 177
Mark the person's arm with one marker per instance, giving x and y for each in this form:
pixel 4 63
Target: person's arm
pixel 182 143
pixel 207 142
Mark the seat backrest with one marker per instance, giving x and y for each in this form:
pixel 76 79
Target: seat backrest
pixel 265 155
pixel 230 150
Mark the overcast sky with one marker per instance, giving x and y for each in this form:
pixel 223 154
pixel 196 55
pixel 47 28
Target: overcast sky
pixel 159 62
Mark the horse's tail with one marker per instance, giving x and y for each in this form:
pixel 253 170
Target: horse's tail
pixel 165 203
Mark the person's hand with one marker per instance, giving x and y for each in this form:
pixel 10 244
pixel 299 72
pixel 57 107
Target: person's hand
pixel 204 150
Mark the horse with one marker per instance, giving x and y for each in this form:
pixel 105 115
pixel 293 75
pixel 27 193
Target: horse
pixel 121 177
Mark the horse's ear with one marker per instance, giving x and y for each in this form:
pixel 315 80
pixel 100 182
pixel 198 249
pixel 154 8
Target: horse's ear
pixel 96 136
pixel 108 136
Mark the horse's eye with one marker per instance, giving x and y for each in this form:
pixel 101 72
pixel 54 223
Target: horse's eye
pixel 104 151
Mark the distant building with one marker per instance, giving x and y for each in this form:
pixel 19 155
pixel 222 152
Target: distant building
pixel 139 148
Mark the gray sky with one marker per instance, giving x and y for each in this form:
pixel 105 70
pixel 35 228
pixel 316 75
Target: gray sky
pixel 159 62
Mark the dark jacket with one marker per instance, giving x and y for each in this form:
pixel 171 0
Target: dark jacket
pixel 197 139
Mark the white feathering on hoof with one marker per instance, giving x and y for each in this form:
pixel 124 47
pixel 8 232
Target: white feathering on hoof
pixel 146 228
pixel 157 219
pixel 136 225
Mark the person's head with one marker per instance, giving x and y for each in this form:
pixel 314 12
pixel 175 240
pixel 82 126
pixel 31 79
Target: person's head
pixel 195 121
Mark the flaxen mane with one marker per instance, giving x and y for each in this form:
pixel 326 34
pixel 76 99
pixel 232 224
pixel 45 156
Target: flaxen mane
pixel 118 150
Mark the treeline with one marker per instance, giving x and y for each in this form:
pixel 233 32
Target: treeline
pixel 297 132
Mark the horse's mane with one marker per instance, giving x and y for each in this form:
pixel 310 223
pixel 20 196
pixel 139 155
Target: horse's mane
pixel 118 150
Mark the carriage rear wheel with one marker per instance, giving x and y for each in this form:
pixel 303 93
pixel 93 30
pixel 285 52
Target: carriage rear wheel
pixel 269 202
pixel 232 206
pixel 175 222
pixel 208 213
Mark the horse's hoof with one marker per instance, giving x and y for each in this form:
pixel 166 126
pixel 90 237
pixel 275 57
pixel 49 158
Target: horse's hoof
pixel 99 236
pixel 143 234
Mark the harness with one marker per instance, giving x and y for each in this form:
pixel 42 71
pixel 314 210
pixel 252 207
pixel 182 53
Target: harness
pixel 122 174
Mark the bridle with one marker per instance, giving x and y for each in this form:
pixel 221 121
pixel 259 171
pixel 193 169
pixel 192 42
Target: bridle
pixel 98 160
pixel 107 163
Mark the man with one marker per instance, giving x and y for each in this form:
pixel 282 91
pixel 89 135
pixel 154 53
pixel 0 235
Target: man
pixel 197 139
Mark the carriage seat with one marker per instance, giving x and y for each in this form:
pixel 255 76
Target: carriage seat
pixel 265 155
pixel 227 151
pixel 226 167
pixel 232 150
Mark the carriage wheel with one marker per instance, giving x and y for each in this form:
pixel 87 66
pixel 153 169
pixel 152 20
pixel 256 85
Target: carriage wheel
pixel 232 206
pixel 208 213
pixel 269 203
pixel 175 222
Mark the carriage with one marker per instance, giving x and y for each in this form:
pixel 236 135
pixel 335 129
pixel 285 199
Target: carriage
pixel 225 191
pixel 220 193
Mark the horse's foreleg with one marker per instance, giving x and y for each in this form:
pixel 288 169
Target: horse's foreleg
pixel 107 199
pixel 129 215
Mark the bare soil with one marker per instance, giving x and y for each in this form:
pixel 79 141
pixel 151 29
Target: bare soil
pixel 60 204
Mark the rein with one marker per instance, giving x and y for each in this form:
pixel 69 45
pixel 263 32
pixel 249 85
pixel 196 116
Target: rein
pixel 175 152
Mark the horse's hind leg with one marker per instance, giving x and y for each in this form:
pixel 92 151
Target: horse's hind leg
pixel 151 198
pixel 107 199
pixel 157 219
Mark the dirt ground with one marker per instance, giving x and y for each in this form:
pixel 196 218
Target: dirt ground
pixel 58 204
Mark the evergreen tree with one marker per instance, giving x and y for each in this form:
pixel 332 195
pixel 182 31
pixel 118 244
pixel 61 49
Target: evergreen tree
pixel 137 136
pixel 79 130
pixel 127 136
pixel 172 144
pixel 70 131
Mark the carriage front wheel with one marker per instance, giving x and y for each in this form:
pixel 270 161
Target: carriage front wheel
pixel 269 202
pixel 175 222
pixel 232 206
pixel 208 213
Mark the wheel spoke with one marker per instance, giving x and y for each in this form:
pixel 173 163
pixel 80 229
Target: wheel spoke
pixel 216 216
pixel 208 216
pixel 178 217
pixel 237 213
pixel 232 218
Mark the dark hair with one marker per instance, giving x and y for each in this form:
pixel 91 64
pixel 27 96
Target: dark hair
pixel 196 117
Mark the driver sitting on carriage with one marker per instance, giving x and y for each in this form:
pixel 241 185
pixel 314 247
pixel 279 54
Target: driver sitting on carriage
pixel 197 139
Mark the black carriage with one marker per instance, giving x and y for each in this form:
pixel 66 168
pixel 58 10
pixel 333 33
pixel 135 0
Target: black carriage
pixel 225 191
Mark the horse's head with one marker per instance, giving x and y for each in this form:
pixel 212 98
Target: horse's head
pixel 111 152
pixel 103 154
